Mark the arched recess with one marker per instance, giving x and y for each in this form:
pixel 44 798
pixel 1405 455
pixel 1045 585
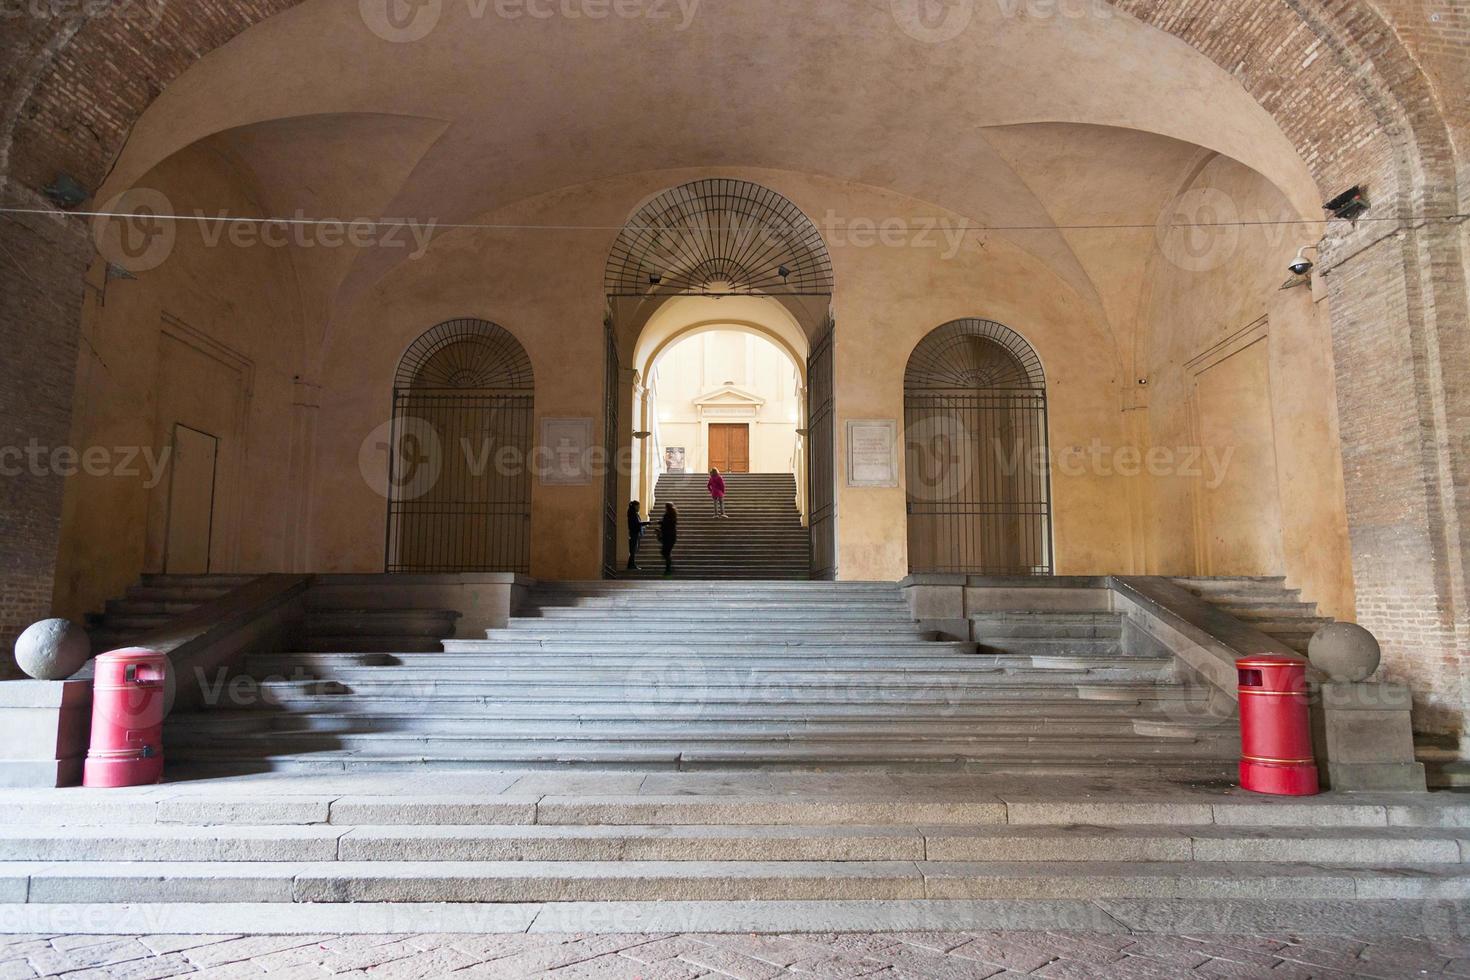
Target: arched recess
pixel 459 473
pixel 723 238
pixel 975 440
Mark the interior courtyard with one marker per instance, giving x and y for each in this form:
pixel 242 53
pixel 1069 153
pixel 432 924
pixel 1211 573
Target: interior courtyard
pixel 652 472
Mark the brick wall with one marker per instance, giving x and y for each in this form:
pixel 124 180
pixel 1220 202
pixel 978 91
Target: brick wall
pixel 45 262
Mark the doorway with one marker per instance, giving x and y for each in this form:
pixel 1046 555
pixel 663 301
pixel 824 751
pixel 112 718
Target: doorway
pixel 190 525
pixel 729 447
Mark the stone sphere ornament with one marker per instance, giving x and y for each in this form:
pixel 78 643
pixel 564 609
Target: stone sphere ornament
pixel 53 649
pixel 1344 652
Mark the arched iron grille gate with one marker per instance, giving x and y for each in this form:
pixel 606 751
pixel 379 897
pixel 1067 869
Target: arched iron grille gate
pixel 975 439
pixel 459 468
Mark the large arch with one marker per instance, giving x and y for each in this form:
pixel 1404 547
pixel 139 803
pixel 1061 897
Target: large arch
pixel 715 239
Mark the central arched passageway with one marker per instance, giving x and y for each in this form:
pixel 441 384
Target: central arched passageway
pixel 729 255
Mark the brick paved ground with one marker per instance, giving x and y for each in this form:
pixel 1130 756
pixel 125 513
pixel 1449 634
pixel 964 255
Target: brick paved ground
pixel 889 956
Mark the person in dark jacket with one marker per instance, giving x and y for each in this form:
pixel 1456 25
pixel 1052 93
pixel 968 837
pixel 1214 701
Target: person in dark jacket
pixel 668 536
pixel 636 524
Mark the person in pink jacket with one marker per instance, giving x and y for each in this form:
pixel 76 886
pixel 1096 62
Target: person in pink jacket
pixel 717 492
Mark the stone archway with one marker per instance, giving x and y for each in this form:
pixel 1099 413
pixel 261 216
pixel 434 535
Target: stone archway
pixel 724 238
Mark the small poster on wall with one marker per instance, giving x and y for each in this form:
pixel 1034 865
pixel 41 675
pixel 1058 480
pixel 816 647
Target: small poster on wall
pixel 675 459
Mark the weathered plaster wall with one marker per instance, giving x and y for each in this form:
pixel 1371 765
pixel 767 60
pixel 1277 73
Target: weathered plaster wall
pixel 545 291
pixel 233 308
pixel 1201 292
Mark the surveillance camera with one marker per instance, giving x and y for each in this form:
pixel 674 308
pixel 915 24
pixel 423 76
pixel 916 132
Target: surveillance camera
pixel 1301 265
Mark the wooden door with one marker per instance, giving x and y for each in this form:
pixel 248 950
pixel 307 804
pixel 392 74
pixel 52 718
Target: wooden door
pixel 729 447
pixel 190 501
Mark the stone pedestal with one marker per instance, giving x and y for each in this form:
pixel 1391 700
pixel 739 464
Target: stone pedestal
pixel 1364 738
pixel 43 732
pixel 937 602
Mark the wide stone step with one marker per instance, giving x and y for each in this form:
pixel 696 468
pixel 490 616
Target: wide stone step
pixel 168 845
pixel 755 642
pixel 633 728
pixel 684 687
pixel 605 587
pixel 781 623
pixel 413 643
pixel 381 622
pixel 718 674
pixel 733 609
pixel 1025 705
pixel 136 623
pixel 218 581
pixel 1051 646
pixel 181 594
pixel 1275 582
pixel 396 713
pixel 1267 610
pixel 149 607
pixel 338 753
pixel 568 881
pixel 745 800
pixel 831 662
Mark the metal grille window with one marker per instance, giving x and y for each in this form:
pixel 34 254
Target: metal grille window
pixel 719 235
pixel 460 456
pixel 975 440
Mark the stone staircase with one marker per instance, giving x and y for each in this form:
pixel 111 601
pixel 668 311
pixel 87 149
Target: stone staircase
pixel 372 620
pixel 154 603
pixel 702 674
pixel 762 538
pixel 360 619
pixel 1264 603
pixel 210 850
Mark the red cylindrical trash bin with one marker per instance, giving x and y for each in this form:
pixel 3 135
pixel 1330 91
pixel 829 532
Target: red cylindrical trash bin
pixel 127 719
pixel 1275 727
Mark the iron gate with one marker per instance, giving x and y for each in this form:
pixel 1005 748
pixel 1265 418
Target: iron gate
pixel 612 404
pixel 821 450
pixel 460 453
pixel 975 440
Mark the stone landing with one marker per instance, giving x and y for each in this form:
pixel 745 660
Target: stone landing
pixel 725 852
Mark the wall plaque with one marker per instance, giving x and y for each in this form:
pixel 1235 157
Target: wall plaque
pixel 872 453
pixel 564 456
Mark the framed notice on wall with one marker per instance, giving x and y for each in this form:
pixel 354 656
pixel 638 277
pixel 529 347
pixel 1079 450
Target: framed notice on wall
pixel 872 453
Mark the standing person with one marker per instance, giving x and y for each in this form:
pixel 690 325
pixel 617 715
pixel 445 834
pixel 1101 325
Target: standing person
pixel 668 536
pixel 717 491
pixel 636 524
